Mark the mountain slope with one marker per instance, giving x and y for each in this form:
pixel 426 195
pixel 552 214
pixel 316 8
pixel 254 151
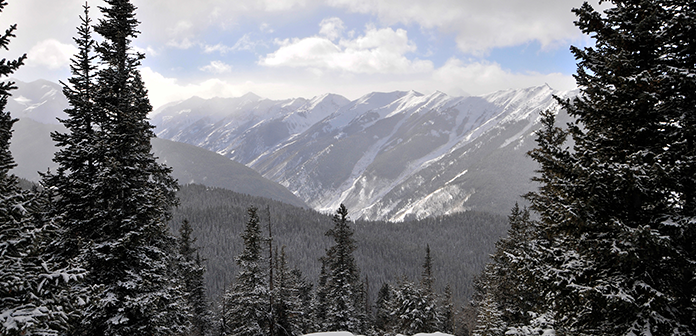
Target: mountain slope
pixel 393 156
pixel 40 100
pixel 33 150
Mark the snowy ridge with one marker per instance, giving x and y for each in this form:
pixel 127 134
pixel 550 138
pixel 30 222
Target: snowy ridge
pixel 395 155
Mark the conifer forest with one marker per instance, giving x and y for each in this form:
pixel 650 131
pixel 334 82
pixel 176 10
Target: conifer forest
pixel 110 244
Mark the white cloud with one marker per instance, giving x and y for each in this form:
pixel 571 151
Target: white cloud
pixel 331 28
pixel 149 51
pixel 185 43
pixel 479 25
pixel 216 67
pixel 51 54
pixel 477 78
pixel 378 51
pixel 244 43
pixel 266 28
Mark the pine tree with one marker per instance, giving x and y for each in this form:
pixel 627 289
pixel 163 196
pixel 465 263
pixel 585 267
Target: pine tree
pixel 489 319
pixel 115 199
pixel 382 312
pixel 427 278
pixel 77 158
pixel 288 305
pixel 447 312
pixel 344 308
pixel 304 300
pixel 619 207
pixel 193 271
pixel 35 295
pixel 248 299
pixel 412 310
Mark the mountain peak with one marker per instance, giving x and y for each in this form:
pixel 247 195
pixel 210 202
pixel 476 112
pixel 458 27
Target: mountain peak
pixel 250 96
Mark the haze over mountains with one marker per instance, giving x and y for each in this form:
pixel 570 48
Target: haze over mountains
pixel 387 156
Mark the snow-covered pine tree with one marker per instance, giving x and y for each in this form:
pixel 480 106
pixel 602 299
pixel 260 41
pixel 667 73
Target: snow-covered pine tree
pixel 382 309
pixel 304 296
pixel 288 305
pixel 489 319
pixel 192 271
pixel 247 301
pixel 344 308
pixel 35 297
pixel 514 278
pixel 119 199
pixel 620 208
pixel 412 310
pixel 78 156
pixel 431 319
pixel 447 312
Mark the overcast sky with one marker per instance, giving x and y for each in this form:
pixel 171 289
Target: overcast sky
pixel 303 48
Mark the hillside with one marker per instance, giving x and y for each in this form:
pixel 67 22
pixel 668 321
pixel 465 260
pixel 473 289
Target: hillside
pixel 391 156
pixel 387 251
pixel 33 148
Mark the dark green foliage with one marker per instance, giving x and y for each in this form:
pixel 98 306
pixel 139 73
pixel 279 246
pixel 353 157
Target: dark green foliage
pixel 344 304
pixel 447 308
pixel 193 272
pixel 382 312
pixel 613 250
pixel 248 300
pixel 113 198
pixel 388 251
pixel 35 293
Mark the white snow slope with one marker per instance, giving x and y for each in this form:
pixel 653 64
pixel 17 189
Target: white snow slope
pixel 392 156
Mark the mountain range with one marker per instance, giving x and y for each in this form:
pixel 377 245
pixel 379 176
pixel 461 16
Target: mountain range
pixel 41 102
pixel 386 156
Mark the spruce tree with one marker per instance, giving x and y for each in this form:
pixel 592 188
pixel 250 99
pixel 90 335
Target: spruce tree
pixel 382 308
pixel 413 310
pixel 288 305
pixel 344 309
pixel 427 278
pixel 114 198
pixel 248 299
pixel 35 293
pixel 77 157
pixel 619 208
pixel 192 271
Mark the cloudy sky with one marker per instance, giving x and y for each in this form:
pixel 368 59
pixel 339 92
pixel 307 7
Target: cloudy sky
pixel 302 48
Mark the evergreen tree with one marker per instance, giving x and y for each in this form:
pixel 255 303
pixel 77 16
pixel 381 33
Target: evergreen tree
pixel 412 310
pixel 304 300
pixel 248 299
pixel 447 312
pixel 288 305
pixel 113 197
pixel 192 272
pixel 344 307
pixel 77 157
pixel 513 278
pixel 382 312
pixel 427 278
pixel 489 322
pixel 618 209
pixel 35 294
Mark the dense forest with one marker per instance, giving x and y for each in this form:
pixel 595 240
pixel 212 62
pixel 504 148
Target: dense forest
pixel 606 247
pixel 460 243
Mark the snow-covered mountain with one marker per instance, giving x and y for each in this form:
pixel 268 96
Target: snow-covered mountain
pixel 40 100
pixel 394 156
